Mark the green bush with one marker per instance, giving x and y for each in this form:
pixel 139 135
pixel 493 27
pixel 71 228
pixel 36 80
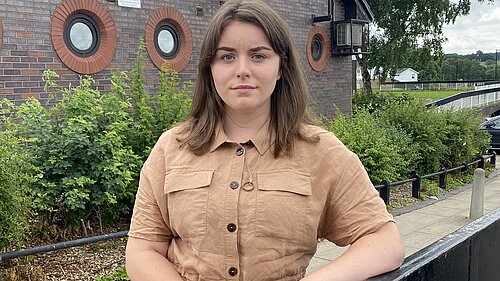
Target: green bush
pixel 89 146
pixel 16 176
pixel 462 138
pixel 385 152
pixel 87 168
pixel 425 127
pixel 152 115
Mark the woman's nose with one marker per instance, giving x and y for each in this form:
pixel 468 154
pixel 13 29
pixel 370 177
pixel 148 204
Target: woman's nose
pixel 243 68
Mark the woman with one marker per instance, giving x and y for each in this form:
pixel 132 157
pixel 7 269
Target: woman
pixel 244 188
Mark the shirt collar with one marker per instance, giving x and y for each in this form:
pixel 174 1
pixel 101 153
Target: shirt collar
pixel 261 140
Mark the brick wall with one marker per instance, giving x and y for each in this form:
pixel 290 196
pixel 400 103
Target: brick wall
pixel 26 48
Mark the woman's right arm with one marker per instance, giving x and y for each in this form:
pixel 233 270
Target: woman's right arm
pixel 146 260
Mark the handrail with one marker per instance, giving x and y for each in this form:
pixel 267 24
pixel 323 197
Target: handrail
pixel 384 187
pixel 62 245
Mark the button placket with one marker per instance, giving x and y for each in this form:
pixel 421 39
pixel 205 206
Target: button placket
pixel 231 203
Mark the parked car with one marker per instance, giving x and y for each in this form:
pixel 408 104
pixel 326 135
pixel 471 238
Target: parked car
pixel 492 125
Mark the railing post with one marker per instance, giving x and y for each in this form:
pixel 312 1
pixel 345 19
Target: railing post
pixel 464 168
pixel 477 197
pixel 415 185
pixel 385 191
pixel 481 163
pixel 442 178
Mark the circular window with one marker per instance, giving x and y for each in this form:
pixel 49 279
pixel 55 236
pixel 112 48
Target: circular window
pixel 167 42
pixel 318 48
pixel 81 35
pixel 168 39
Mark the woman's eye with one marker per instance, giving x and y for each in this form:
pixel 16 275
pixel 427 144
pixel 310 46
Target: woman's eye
pixel 227 57
pixel 259 57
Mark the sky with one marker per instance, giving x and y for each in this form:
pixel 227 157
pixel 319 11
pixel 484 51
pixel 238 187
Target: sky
pixel 480 30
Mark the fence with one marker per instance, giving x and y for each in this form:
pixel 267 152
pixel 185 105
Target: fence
pixel 416 180
pixel 384 190
pixel 435 85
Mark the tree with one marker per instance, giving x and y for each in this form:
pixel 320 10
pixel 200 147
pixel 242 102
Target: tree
pixel 404 25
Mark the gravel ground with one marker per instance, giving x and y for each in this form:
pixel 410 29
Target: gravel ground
pixel 78 263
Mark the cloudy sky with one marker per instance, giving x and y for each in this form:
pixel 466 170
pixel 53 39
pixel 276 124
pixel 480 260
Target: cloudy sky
pixel 480 30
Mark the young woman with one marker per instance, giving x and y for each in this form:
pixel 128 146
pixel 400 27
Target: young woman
pixel 245 187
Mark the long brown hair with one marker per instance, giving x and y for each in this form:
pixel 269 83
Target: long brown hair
pixel 289 100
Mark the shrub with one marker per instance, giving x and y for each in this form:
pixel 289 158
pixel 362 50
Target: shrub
pixel 152 115
pixel 425 127
pixel 462 138
pixel 385 152
pixel 16 176
pixel 87 169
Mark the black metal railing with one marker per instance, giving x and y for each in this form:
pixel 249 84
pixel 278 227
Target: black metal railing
pixel 416 180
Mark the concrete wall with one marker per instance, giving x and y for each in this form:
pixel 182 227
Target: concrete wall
pixel 26 47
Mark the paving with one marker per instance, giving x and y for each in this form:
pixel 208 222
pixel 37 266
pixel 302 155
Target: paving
pixel 427 222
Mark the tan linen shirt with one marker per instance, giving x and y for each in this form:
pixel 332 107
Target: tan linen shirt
pixel 218 230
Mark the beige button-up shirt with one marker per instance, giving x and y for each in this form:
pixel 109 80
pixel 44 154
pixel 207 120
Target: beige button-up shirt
pixel 219 229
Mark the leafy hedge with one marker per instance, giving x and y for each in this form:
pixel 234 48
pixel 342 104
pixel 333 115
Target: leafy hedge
pixel 16 177
pixel 427 139
pixel 385 151
pixel 87 146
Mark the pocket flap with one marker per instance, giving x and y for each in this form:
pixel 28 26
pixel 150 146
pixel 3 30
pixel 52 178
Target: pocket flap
pixel 178 180
pixel 285 181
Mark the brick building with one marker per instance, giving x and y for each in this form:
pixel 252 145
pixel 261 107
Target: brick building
pixel 95 37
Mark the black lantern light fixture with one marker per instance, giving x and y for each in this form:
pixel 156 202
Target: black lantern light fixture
pixel 350 36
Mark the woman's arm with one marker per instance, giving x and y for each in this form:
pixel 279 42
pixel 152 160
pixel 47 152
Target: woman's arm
pixel 370 255
pixel 146 260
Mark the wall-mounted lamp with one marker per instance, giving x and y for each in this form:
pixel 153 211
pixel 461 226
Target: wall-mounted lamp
pixel 199 11
pixel 350 37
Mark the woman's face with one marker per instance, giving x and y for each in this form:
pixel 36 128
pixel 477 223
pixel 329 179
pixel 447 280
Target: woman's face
pixel 245 69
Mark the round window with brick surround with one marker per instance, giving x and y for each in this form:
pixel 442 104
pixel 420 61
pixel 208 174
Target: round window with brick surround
pixel 168 39
pixel 83 35
pixel 167 42
pixel 318 48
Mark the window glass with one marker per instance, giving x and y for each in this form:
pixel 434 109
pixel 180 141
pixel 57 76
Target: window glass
pixel 316 48
pixel 81 36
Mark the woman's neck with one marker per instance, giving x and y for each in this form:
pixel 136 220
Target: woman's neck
pixel 240 127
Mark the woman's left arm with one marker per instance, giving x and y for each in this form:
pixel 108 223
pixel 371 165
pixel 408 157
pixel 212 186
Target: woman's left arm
pixel 371 255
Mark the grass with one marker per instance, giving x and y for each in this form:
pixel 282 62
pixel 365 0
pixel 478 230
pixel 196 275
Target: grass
pixel 427 95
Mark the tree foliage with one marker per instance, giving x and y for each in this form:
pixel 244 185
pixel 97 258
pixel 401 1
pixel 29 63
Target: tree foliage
pixel 406 25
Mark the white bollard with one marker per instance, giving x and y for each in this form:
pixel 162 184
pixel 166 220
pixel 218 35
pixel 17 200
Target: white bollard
pixel 477 197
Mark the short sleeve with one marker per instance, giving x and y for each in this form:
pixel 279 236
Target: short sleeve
pixel 354 207
pixel 150 215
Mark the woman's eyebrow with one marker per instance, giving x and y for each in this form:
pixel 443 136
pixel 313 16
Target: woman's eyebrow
pixel 227 49
pixel 256 49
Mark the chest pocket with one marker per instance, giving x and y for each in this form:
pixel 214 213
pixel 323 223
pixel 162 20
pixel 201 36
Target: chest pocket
pixel 187 193
pixel 283 208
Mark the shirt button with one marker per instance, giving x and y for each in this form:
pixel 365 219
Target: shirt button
pixel 234 185
pixel 231 227
pixel 232 271
pixel 239 151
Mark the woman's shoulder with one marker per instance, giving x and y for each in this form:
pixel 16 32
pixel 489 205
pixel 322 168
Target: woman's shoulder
pixel 324 136
pixel 173 135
